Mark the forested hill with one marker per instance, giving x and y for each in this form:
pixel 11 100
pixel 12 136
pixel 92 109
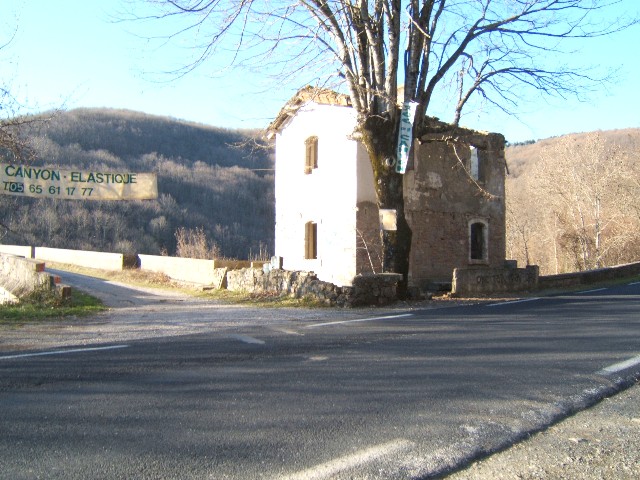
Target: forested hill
pixel 521 157
pixel 214 179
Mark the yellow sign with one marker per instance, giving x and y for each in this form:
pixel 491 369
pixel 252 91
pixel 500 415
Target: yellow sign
pixel 43 182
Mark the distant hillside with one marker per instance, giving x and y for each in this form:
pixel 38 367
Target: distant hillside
pixel 519 157
pixel 215 179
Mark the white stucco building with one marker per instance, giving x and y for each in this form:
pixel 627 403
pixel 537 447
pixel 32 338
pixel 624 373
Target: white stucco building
pixel 323 179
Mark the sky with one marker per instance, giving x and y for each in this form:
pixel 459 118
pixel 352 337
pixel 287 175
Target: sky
pixel 71 53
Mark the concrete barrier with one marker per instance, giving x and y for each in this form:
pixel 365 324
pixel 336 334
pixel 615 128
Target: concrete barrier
pixel 192 270
pixel 84 258
pixel 184 269
pixel 20 276
pixel 19 250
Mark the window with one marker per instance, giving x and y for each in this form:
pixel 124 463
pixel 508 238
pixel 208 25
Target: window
pixel 476 165
pixel 311 240
pixel 478 239
pixel 311 154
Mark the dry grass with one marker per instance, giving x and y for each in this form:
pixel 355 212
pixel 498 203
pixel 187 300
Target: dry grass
pixel 130 276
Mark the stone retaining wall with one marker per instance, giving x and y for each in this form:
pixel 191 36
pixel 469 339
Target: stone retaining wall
pixel 367 289
pixel 483 280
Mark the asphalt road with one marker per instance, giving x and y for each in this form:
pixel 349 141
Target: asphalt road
pixel 400 395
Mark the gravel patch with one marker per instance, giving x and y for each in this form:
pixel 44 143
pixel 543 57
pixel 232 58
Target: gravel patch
pixel 602 442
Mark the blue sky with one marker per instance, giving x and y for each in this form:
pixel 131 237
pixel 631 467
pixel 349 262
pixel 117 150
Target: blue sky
pixel 69 53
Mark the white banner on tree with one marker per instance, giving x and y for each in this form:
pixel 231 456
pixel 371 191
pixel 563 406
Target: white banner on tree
pixel 41 182
pixel 405 135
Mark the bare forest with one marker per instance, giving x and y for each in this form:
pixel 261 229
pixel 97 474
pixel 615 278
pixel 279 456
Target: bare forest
pixel 573 202
pixel 215 187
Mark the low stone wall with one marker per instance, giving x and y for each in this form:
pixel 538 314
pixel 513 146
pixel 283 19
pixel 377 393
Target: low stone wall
pixel 374 289
pixel 484 280
pixel 85 258
pixel 590 276
pixel 21 276
pixel 367 289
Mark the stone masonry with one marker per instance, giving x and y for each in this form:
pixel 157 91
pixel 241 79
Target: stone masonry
pixel 367 289
pixel 446 192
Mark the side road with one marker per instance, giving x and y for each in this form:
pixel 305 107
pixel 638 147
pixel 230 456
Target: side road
pixel 602 442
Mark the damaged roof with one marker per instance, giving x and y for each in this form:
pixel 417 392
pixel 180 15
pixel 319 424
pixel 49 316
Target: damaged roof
pixel 305 95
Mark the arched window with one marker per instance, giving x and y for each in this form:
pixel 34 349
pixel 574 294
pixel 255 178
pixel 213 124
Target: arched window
pixel 478 241
pixel 311 154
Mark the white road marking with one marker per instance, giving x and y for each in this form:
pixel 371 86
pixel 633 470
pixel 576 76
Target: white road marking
pixel 247 339
pixel 618 367
pixel 513 301
pixel 592 291
pixel 288 331
pixel 338 322
pixel 333 467
pixel 62 352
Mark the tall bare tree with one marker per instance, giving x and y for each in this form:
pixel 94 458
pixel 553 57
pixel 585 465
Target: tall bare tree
pixel 495 49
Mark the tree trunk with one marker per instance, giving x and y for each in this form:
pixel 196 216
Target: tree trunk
pixel 380 136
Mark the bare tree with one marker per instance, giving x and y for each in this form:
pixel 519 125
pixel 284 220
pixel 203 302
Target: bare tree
pixel 492 48
pixel 13 146
pixel 193 243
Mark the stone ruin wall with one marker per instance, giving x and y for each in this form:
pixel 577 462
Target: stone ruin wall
pixel 441 199
pixel 367 289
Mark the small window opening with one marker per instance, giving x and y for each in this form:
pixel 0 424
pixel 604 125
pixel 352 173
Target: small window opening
pixel 311 240
pixel 311 154
pixel 476 165
pixel 478 241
